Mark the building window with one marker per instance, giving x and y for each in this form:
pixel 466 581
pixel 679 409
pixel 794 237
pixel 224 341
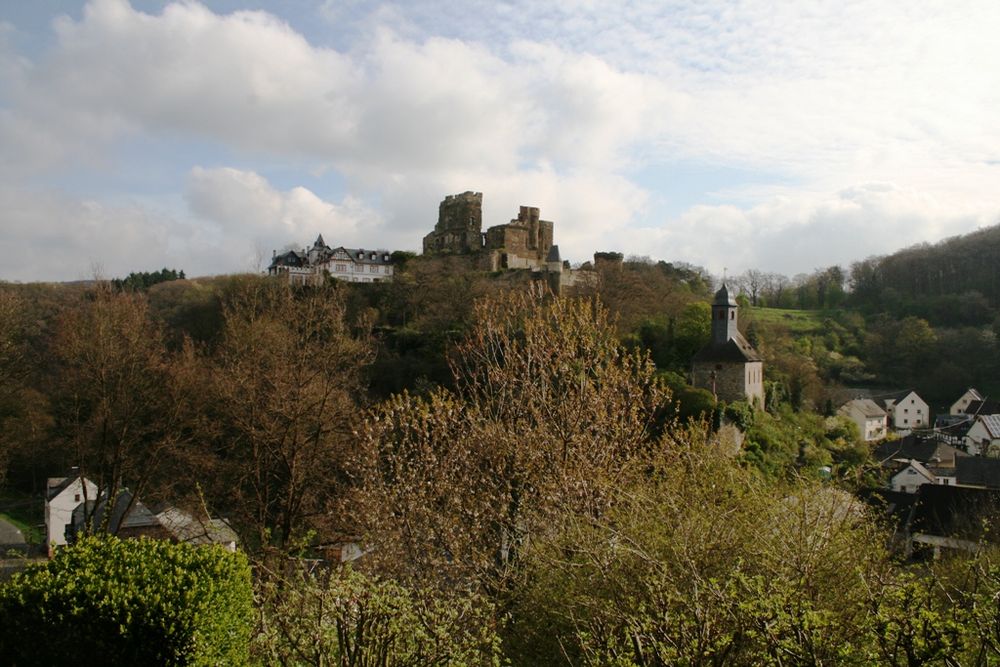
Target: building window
pixel 76 497
pixel 340 268
pixel 372 269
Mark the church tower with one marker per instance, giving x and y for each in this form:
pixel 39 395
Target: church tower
pixel 723 317
pixel 729 366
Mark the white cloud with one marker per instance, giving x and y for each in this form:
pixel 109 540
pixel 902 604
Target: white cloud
pixel 798 232
pixel 533 103
pixel 252 216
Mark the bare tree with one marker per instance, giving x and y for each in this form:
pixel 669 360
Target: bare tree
pixel 286 384
pixel 115 402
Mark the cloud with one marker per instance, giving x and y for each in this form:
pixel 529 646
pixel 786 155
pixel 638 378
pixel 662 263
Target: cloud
pixel 531 103
pixel 234 219
pixel 798 232
pixel 251 215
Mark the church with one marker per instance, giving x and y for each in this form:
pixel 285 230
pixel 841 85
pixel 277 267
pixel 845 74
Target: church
pixel 729 366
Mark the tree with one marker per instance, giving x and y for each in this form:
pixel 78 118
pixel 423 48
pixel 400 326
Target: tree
pixel 286 385
pixel 116 401
pixel 548 411
pixel 14 370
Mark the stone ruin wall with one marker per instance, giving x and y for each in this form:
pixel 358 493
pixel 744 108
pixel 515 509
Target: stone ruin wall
pixel 459 226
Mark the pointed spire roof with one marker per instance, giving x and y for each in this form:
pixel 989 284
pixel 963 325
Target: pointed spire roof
pixel 723 298
pixel 319 242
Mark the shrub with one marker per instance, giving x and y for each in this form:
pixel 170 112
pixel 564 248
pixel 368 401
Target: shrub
pixel 344 617
pixel 140 602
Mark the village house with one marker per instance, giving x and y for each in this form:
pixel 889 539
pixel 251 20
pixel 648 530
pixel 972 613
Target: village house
pixel 960 407
pixel 62 496
pixel 870 418
pixel 905 410
pixel 911 477
pixel 983 436
pixel 729 366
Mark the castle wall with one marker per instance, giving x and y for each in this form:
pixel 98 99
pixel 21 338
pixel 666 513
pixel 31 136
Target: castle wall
pixel 459 226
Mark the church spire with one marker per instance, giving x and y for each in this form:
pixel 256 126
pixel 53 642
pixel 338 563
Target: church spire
pixel 723 316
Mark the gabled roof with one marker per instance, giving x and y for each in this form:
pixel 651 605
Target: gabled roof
pixel 921 470
pixel 736 349
pixel 983 407
pixel 991 423
pixel 924 450
pixel 56 485
pixel 867 406
pixel 185 528
pixel 362 256
pixel 138 515
pixel 893 397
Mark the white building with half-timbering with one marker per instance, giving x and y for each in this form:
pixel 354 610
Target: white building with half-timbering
pixel 353 265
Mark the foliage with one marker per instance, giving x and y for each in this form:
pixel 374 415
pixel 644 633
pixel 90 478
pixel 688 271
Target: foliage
pixel 778 444
pixel 547 407
pixel 129 602
pixel 285 384
pixel 344 617
pixel 700 562
pixel 116 403
pixel 144 280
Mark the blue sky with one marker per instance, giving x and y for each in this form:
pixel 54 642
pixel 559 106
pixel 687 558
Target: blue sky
pixel 778 136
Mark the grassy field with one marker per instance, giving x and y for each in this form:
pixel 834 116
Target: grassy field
pixel 27 515
pixel 796 321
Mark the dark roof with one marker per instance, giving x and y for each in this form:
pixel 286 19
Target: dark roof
pixel 290 258
pixel 553 255
pixel 723 298
pixel 896 506
pixel 138 516
pixel 895 396
pixel 736 349
pixel 956 511
pixel 914 447
pixel 983 407
pixel 319 242
pixel 57 485
pixel 978 471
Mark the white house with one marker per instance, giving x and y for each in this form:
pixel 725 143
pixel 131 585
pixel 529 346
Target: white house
pixel 960 406
pixel 983 437
pixel 63 495
pixel 870 418
pixel 354 265
pixel 910 478
pixel 905 409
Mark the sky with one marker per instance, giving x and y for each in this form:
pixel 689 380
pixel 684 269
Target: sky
pixel 781 136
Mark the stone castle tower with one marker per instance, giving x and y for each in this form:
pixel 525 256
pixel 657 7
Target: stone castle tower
pixel 459 228
pixel 729 366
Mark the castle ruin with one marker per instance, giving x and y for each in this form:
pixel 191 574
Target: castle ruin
pixel 523 243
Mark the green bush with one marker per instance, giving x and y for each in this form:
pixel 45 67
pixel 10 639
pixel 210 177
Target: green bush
pixel 344 617
pixel 136 602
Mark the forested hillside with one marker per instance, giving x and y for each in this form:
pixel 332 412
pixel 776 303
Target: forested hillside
pixel 953 283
